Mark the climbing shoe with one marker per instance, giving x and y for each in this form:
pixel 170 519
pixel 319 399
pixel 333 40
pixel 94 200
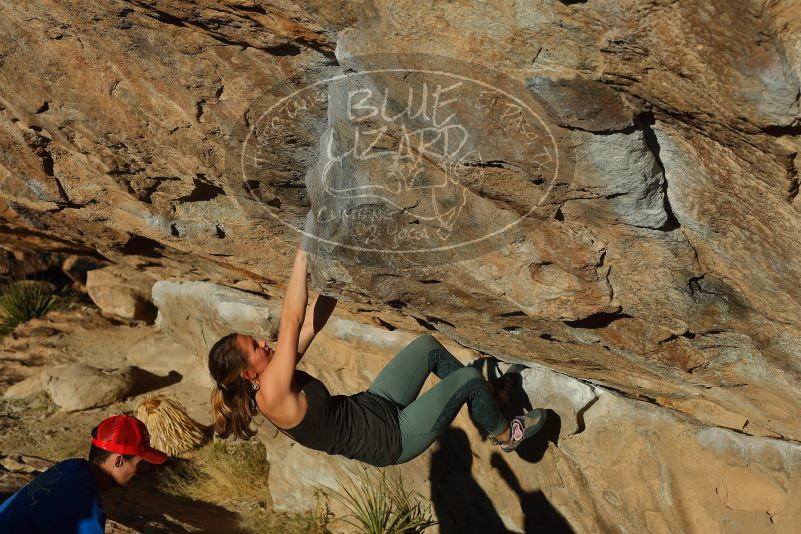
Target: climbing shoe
pixel 521 428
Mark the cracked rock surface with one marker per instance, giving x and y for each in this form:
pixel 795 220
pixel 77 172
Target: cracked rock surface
pixel 658 261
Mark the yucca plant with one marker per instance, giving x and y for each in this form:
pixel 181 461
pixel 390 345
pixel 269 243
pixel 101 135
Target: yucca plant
pixel 379 504
pixel 23 300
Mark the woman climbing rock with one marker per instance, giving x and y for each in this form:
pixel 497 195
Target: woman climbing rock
pixel 385 425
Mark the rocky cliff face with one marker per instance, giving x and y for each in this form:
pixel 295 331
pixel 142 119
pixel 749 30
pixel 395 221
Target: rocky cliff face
pixel 609 189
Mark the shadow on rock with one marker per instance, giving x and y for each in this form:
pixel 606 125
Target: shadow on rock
pixel 142 507
pixel 460 503
pixel 534 448
pixel 147 381
pixel 513 400
pixel 539 515
pixel 507 389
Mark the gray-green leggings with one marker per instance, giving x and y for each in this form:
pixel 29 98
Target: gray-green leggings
pixel 423 419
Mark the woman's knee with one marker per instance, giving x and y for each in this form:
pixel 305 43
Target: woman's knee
pixel 466 374
pixel 428 341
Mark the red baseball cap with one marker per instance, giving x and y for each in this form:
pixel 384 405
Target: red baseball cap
pixel 125 434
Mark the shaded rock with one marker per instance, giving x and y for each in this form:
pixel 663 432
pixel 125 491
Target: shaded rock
pixel 79 386
pixel 620 179
pixel 25 464
pixel 22 264
pixel 121 292
pixel 249 285
pixel 720 79
pixel 558 272
pixel 722 221
pixel 581 103
pixel 566 396
pixel 78 267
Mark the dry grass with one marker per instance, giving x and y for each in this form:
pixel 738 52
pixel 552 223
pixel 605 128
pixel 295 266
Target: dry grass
pixel 233 474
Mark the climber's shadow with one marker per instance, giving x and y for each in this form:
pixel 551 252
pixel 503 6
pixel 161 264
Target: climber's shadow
pixel 460 503
pixel 538 514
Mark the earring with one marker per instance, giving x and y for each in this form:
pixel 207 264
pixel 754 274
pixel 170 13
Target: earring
pixel 255 386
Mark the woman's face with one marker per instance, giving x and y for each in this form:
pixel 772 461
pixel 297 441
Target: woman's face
pixel 257 352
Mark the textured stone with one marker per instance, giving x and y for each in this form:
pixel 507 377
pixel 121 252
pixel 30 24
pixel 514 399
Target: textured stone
pixel 79 386
pixel 564 395
pixel 197 314
pixel 144 180
pixel 660 262
pixel 618 179
pixel 603 462
pixel 583 103
pixel 24 388
pixel 121 293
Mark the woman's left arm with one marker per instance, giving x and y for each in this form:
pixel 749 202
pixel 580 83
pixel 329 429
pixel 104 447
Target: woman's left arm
pixel 322 308
pixel 278 382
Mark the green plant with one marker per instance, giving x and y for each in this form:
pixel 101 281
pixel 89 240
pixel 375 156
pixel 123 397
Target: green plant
pixel 23 300
pixel 379 504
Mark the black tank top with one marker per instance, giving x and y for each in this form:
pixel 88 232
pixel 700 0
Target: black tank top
pixel 361 427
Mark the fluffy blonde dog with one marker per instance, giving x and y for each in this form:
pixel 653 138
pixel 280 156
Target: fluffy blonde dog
pixel 171 429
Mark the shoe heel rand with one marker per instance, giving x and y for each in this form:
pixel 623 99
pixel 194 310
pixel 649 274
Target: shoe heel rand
pixel 535 419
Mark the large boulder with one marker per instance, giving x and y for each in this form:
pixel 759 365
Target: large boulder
pixel 79 386
pixel 603 463
pixel 24 388
pixel 585 472
pixel 645 246
pixel 121 292
pixel 197 314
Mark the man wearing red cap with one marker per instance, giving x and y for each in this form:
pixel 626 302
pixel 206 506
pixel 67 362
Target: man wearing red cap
pixel 66 497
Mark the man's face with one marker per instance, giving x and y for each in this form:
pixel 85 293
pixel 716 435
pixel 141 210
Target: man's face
pixel 122 470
